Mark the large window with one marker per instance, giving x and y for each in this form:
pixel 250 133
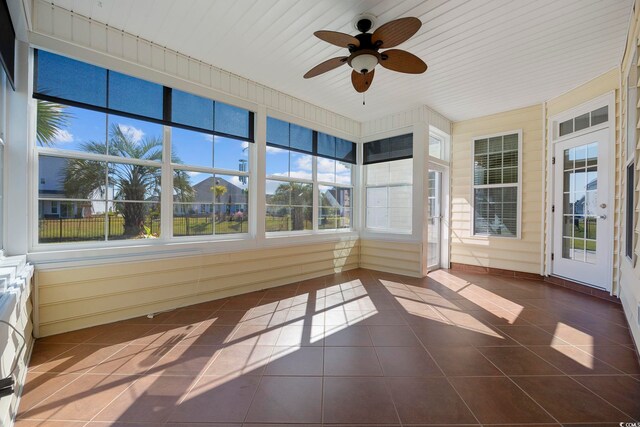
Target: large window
pixel 299 163
pixel 495 185
pixel 103 142
pixel 389 184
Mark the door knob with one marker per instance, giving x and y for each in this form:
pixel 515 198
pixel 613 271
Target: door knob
pixel 602 216
pixel 603 205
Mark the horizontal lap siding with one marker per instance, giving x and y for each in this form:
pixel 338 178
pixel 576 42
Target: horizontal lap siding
pixel 629 270
pixel 392 257
pixel 512 254
pixel 73 298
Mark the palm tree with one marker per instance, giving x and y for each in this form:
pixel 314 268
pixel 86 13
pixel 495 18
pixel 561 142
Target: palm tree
pixel 86 178
pixel 51 119
pixel 297 195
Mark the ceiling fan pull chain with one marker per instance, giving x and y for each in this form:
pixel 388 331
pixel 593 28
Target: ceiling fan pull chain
pixel 363 98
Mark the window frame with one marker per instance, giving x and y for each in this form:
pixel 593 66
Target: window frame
pixel 172 167
pixel 165 166
pixel 518 186
pixel 629 213
pixel 315 217
pixel 365 187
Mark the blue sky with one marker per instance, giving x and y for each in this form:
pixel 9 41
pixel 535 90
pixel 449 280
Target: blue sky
pixel 197 149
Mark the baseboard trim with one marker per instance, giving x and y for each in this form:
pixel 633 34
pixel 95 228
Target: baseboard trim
pixel 554 280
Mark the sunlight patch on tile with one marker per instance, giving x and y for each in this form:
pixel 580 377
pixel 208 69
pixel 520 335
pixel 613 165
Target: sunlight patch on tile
pixel 448 280
pixel 420 309
pixel 466 321
pixel 566 333
pixel 475 293
pixel 575 354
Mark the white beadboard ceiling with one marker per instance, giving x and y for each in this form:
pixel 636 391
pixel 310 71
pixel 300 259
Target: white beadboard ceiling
pixel 484 56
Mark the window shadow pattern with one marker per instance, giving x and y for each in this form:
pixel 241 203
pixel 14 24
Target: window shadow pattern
pixel 358 347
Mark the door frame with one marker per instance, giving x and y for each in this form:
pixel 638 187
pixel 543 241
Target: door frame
pixel 608 99
pixel 443 168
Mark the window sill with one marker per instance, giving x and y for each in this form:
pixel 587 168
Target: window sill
pixel 389 235
pixel 45 256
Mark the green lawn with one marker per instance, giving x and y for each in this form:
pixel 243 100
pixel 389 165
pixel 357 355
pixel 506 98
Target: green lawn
pixel 87 229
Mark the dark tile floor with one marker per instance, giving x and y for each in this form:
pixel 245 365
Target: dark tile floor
pixel 361 347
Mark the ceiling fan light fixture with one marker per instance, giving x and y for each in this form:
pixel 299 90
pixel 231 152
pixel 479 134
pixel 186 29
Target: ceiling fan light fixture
pixel 364 63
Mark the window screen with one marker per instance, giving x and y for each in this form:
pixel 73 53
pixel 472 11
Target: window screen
pixel 388 149
pixel 68 79
pixel 297 138
pixel 70 82
pixel 135 96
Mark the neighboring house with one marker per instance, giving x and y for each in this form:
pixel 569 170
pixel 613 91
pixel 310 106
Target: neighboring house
pixel 233 199
pixel 591 203
pixel 51 187
pixel 339 198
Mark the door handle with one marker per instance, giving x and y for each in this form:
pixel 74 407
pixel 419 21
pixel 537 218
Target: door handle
pixel 602 216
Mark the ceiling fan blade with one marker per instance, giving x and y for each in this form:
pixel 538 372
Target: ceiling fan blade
pixel 361 82
pixel 336 38
pixel 395 32
pixel 325 66
pixel 402 61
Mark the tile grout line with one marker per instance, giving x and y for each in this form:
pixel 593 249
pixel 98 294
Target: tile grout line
pixel 384 380
pixel 456 390
pixel 600 397
pixel 138 376
pixel 521 389
pixel 443 373
pixel 80 375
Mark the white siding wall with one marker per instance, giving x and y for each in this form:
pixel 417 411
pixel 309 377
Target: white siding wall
pixel 629 270
pixel 392 252
pixel 77 297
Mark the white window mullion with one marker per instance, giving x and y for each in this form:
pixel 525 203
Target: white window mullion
pixel 166 184
pixel 257 178
pixel 316 191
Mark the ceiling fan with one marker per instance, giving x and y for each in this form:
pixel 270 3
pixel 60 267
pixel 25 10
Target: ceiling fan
pixel 364 50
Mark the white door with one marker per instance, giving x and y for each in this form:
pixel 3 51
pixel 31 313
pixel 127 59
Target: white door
pixel 582 241
pixel 434 224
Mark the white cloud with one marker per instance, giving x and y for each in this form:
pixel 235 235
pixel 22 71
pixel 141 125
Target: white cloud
pixel 131 132
pixel 63 136
pixel 304 163
pixel 245 145
pixel 326 177
pixel 235 180
pixel 274 150
pixel 208 137
pixel 300 174
pixel 326 165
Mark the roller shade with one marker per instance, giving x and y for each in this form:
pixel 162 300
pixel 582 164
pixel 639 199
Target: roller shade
pixel 68 81
pixel 388 149
pixel 297 138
